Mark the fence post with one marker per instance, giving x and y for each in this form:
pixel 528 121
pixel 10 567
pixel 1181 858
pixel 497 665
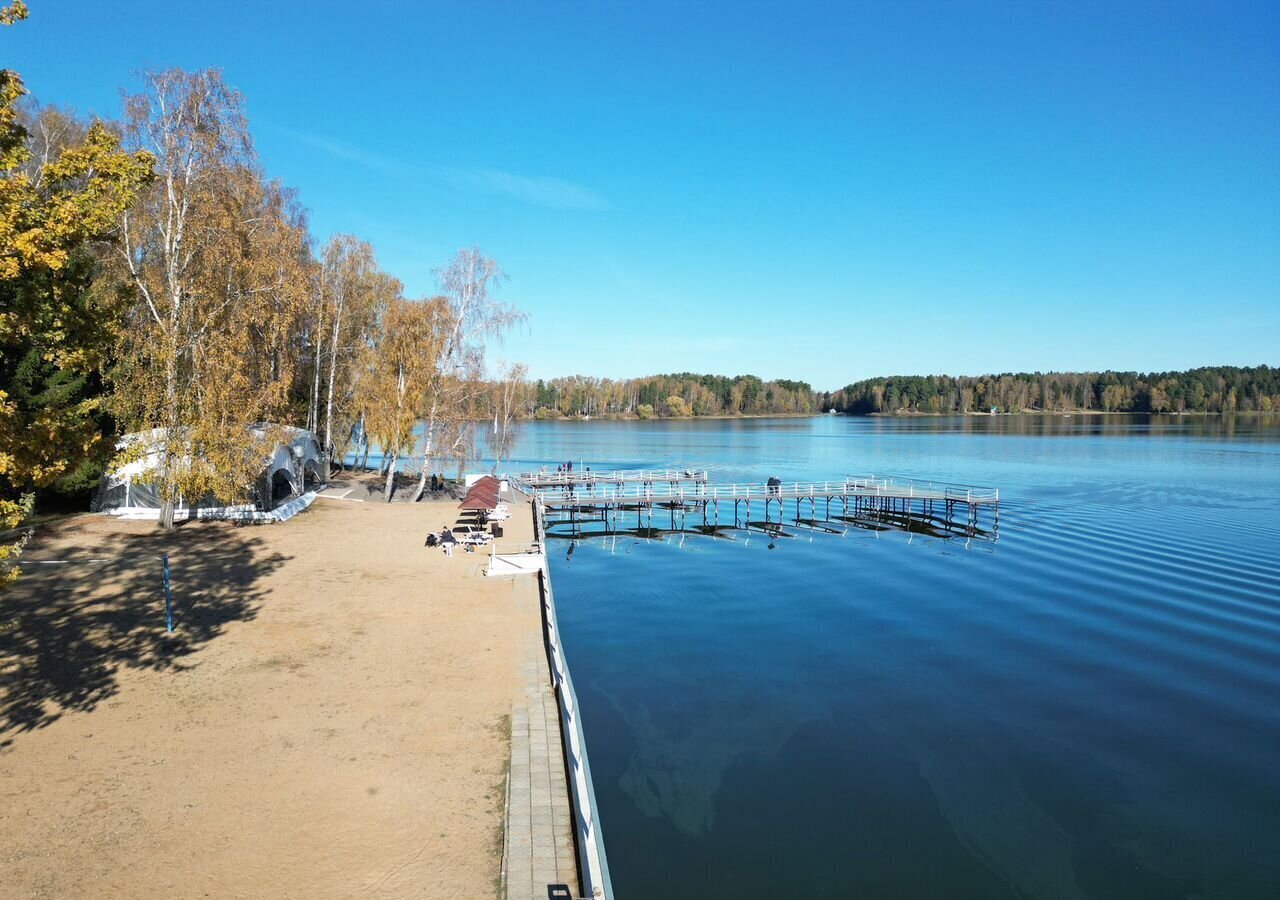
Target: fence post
pixel 168 603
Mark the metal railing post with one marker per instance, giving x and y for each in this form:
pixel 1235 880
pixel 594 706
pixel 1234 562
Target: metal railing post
pixel 168 603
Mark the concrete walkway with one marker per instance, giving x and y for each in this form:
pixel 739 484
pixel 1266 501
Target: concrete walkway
pixel 539 836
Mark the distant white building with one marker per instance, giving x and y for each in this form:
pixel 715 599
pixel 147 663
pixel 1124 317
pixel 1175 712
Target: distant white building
pixel 291 471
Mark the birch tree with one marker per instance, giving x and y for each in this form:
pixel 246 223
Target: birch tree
pixel 506 400
pixel 472 316
pixel 408 340
pixel 349 359
pixel 351 289
pixel 219 260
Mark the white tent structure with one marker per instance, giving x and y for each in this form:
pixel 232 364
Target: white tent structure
pixel 289 477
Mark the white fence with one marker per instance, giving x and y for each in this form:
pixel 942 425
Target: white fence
pixel 593 866
pixel 618 476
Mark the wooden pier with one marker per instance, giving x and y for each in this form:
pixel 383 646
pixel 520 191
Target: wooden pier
pixel 587 478
pixel 831 506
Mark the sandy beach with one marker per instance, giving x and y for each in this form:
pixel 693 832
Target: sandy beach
pixel 329 719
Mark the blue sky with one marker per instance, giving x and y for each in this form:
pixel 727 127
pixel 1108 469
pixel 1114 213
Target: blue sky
pixel 823 191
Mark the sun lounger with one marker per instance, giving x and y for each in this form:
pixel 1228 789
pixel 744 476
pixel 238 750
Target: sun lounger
pixel 472 535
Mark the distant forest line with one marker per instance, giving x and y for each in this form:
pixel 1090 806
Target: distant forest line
pixel 670 396
pixel 1211 389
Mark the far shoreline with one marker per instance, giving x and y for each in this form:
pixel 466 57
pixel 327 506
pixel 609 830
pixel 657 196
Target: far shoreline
pixel 907 414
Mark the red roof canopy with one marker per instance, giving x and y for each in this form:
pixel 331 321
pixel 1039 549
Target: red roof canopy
pixel 482 495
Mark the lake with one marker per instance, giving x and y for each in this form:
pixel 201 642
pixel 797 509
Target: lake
pixel 1088 706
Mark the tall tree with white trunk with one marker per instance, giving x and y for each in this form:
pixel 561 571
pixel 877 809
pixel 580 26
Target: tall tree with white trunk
pixel 350 291
pixel 409 336
pixel 507 401
pixel 473 317
pixel 220 262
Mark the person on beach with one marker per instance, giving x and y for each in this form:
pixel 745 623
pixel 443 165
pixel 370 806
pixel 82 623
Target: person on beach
pixel 447 540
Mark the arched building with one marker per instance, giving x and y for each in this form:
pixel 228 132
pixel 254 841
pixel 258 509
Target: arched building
pixel 296 466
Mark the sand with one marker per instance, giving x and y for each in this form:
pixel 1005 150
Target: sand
pixel 330 718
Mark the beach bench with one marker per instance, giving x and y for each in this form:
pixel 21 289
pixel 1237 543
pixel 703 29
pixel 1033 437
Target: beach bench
pixel 472 535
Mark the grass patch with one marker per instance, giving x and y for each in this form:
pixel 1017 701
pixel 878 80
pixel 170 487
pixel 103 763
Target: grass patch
pixel 280 662
pixel 498 797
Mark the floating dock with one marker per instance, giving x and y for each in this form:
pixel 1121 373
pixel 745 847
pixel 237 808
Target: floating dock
pixel 691 503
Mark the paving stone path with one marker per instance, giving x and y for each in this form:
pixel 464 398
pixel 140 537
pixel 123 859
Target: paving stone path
pixel 539 819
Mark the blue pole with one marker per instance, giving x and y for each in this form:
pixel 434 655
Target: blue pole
pixel 168 605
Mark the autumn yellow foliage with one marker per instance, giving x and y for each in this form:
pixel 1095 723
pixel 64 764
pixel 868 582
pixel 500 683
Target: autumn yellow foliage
pixel 74 200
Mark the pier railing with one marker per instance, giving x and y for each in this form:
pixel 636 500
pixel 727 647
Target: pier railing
pixel 861 486
pixel 618 476
pixel 930 490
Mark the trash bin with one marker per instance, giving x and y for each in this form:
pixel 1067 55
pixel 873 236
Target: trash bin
pixel 497 529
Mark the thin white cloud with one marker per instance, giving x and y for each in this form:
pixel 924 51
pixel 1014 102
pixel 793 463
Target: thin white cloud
pixel 350 152
pixel 555 193
pixel 535 190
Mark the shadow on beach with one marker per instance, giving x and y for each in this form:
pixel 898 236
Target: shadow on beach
pixel 67 628
pixel 371 487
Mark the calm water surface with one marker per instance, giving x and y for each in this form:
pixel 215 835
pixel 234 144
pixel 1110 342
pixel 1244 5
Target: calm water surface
pixel 1088 707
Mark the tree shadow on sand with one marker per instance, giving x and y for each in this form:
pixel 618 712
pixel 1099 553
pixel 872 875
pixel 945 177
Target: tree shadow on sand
pixel 66 630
